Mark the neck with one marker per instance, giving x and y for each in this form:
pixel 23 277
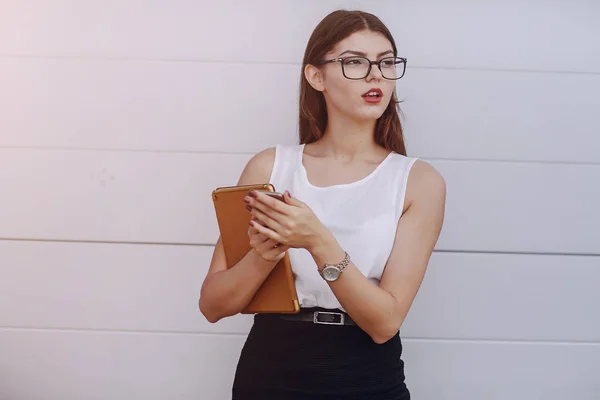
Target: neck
pixel 346 138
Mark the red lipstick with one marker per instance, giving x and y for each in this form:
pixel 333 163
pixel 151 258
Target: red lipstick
pixel 373 95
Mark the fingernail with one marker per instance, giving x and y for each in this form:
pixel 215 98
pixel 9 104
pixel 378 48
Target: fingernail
pixel 252 194
pixel 288 193
pixel 248 208
pixel 246 200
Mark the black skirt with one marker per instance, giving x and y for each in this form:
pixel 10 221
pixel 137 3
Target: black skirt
pixel 298 360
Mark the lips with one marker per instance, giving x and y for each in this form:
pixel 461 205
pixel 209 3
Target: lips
pixel 373 95
pixel 373 92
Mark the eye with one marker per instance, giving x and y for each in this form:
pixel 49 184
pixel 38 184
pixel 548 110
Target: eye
pixel 388 62
pixel 355 61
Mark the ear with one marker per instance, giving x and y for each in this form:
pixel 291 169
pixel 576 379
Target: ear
pixel 314 76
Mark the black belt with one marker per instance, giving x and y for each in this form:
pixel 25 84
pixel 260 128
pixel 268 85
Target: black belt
pixel 320 316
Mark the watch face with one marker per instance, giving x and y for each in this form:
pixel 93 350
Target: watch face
pixel 331 273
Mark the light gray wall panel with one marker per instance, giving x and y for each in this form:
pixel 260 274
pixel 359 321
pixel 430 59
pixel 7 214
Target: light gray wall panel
pixel 457 370
pixel 71 365
pixel 146 288
pixel 244 108
pixel 557 36
pixel 163 197
pixel 74 365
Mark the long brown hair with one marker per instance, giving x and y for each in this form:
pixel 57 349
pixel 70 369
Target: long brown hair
pixel 313 112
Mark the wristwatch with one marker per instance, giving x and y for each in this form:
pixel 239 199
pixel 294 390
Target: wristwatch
pixel 331 272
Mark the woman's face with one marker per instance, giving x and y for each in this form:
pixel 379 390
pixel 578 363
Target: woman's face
pixel 351 97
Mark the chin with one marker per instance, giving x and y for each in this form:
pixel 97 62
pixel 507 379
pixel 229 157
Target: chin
pixel 370 114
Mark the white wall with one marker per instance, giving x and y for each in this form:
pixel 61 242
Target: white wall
pixel 117 119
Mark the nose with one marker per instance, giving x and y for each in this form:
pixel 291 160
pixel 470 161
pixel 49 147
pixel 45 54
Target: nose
pixel 375 73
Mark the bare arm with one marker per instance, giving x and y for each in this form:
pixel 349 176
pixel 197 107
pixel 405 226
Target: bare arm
pixel 226 292
pixel 381 310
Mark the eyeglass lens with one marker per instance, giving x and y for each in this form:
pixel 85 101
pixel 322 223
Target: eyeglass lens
pixel 358 67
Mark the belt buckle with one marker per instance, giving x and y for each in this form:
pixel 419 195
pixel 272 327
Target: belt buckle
pixel 317 313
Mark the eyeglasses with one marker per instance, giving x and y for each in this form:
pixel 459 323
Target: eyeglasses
pixel 392 68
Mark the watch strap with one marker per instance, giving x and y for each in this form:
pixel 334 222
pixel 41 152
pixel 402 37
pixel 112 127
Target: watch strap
pixel 342 264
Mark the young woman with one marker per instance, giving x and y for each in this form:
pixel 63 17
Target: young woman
pixel 359 221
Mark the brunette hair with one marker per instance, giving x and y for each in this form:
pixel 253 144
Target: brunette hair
pixel 313 112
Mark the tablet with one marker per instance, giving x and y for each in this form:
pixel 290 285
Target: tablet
pixel 277 294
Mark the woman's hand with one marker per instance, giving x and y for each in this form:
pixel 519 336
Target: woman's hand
pixel 290 222
pixel 267 248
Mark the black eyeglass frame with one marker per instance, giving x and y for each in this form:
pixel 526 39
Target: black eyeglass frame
pixel 341 60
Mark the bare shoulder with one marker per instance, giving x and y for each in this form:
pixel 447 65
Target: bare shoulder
pixel 259 167
pixel 426 185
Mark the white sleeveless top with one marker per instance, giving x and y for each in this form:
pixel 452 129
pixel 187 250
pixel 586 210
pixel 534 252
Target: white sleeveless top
pixel 362 215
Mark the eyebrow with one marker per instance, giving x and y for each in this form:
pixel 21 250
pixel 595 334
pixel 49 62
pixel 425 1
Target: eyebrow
pixel 360 53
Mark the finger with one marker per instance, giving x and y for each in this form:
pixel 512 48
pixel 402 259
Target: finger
pixel 262 199
pixel 266 220
pixel 256 240
pixel 257 237
pixel 253 232
pixel 277 252
pixel 291 201
pixel 257 205
pixel 267 245
pixel 267 232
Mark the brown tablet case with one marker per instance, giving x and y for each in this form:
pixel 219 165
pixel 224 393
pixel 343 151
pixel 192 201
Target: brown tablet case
pixel 277 294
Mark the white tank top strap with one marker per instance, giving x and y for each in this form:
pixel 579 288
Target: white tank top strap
pixel 400 167
pixel 285 164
